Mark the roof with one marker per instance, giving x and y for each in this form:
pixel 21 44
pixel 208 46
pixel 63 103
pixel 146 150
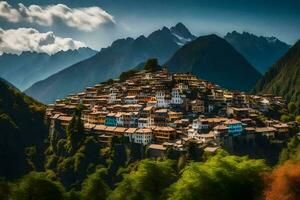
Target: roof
pixel 280 125
pixel 131 130
pixel 161 111
pixel 110 114
pixel 100 127
pixel 89 126
pixel 208 135
pixel 214 119
pixel 232 121
pixel 211 149
pixel 144 130
pixel 110 128
pixel 157 147
pixel 221 127
pixel 148 108
pixel 163 128
pixel 264 129
pixel 120 129
pixel 65 118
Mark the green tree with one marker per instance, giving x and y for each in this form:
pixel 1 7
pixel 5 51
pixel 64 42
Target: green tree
pixel 94 188
pixel 292 107
pixel 221 177
pixel 152 65
pixel 72 195
pixel 298 118
pixel 37 186
pixel 148 181
pixel 4 190
pixel 126 75
pixel 291 152
pixel 75 131
pixel 182 161
pixel 287 118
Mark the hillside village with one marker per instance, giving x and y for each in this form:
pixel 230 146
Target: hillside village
pixel 162 110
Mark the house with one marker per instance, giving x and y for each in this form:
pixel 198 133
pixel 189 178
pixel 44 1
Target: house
pixel 281 127
pixel 144 122
pixel 64 120
pixel 192 133
pixel 164 134
pixel 142 136
pixel 238 113
pixel 282 130
pixel 130 133
pixel 173 116
pixel 235 127
pixel 268 132
pixel 176 97
pixel 111 120
pixel 119 118
pixel 197 106
pixel 222 130
pixel 197 125
pixel 218 94
pixel 162 99
pixel 161 117
pixel 119 131
pixel 112 98
pixel 99 129
pixel 147 111
pixel 206 138
pixel 156 150
pixel 130 100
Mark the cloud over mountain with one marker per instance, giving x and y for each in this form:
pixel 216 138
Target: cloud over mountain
pixel 84 19
pixel 16 41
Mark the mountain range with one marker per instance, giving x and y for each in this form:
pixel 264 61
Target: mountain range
pixel 125 54
pixel 29 67
pixel 212 58
pixel 120 56
pixel 283 78
pixel 261 52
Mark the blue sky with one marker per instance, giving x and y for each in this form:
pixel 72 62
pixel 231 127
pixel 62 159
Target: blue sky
pixel 135 17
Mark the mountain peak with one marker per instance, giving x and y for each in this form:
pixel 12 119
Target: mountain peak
pixel 212 58
pixel 180 26
pixel 181 31
pixel 165 29
pixel 261 51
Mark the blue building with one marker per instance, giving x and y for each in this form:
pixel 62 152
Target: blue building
pixel 111 120
pixel 235 127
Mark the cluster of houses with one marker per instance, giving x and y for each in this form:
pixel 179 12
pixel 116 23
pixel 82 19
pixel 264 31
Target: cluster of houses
pixel 161 109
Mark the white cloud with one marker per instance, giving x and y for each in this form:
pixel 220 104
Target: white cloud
pixel 16 41
pixel 85 19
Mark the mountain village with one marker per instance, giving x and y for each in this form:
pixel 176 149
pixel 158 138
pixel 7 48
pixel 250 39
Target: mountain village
pixel 162 110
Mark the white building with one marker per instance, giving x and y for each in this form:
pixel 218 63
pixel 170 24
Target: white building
pixel 192 133
pixel 176 97
pixel 112 98
pixel 143 136
pixel 139 135
pixel 197 125
pixel 145 122
pixel 162 101
pixel 119 119
pixel 130 100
